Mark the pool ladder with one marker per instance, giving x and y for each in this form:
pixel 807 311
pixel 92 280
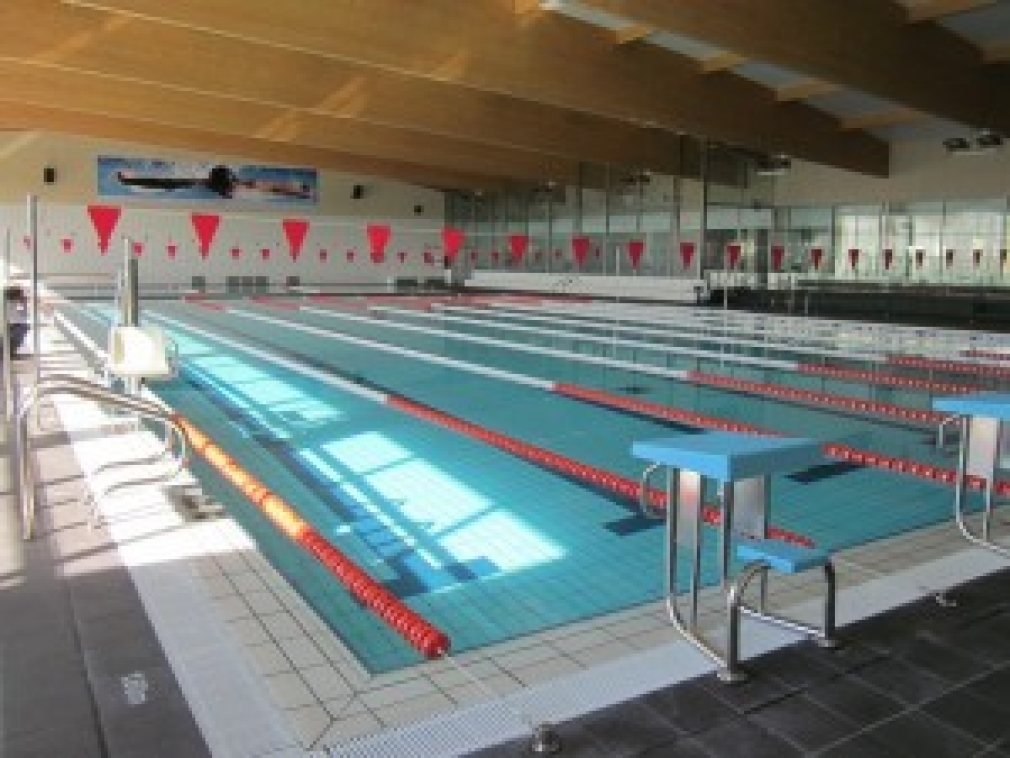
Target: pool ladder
pixel 72 385
pixel 941 430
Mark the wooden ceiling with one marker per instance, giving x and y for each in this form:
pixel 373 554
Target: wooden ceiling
pixel 485 93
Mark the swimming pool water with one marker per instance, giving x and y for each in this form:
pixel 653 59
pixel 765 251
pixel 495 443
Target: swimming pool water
pixel 487 546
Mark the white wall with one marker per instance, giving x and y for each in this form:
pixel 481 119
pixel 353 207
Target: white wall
pixel 920 170
pixel 335 250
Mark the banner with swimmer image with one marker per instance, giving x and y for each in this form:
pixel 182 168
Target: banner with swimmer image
pixel 158 180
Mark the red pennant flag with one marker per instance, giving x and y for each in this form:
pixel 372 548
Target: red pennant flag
pixel 976 256
pixel 538 254
pixel 686 254
pixel 171 248
pixel 104 218
pixel 918 258
pixel 853 257
pixel 452 241
pixel 349 255
pixel 596 252
pixel 324 255
pixel 265 253
pixel 518 243
pixel 580 249
pixel 137 248
pixel 888 258
pixel 429 258
pixel 778 253
pixel 635 250
pixel 236 252
pixel 295 230
pixel 68 244
pixel 494 256
pixel 557 253
pixel 950 257
pixel 378 238
pixel 28 242
pixel 402 256
pixel 206 225
pixel 473 255
pixel 816 255
pixel 733 251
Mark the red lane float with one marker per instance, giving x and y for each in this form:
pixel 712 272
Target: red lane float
pixel 950 367
pixel 822 398
pixel 891 380
pixel 831 449
pixel 620 485
pixel 426 638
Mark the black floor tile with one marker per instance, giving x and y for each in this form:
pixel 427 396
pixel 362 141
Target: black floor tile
pixel 859 746
pixel 903 681
pixel 917 734
pixel 986 639
pixel 941 660
pixel 627 728
pixel 750 694
pixel 797 666
pixel 803 722
pixel 993 687
pixel 743 739
pixel 977 717
pixel 682 748
pixel 690 707
pixel 576 743
pixel 850 656
pixel 855 700
pixel 51 741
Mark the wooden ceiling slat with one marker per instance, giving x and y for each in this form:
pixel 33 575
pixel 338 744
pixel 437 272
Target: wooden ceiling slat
pixel 721 62
pixel 19 116
pixel 928 10
pixel 540 57
pixel 804 89
pixel 892 117
pixel 116 45
pixel 858 44
pixel 632 33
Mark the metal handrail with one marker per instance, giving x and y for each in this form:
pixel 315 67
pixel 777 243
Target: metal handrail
pixel 69 385
pixel 941 430
pixel 172 433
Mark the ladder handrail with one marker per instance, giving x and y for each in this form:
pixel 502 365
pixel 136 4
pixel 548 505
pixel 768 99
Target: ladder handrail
pixel 70 385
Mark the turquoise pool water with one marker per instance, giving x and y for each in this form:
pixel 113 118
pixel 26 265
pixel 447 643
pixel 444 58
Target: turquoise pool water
pixel 487 546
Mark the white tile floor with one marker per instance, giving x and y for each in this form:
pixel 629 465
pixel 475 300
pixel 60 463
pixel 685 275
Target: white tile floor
pixel 266 678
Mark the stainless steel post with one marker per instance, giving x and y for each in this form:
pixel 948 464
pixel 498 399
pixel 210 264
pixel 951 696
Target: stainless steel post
pixel 33 248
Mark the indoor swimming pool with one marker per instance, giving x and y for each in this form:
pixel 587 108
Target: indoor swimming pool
pixel 421 444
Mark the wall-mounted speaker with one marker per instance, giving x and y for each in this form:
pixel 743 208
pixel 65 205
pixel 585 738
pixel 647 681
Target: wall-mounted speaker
pixel 49 175
pixel 357 191
pixel 418 210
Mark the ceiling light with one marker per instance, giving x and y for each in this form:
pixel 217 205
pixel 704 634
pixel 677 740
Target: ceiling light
pixel 773 165
pixel 988 140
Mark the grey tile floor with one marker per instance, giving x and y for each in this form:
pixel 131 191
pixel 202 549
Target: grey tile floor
pixel 921 681
pixel 81 671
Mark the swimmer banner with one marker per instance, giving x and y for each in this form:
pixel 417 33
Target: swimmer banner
pixel 149 179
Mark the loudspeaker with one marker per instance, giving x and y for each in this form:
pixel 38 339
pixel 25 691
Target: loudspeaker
pixel 49 175
pixel 418 210
pixel 357 191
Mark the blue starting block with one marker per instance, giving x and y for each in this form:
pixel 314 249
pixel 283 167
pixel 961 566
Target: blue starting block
pixel 740 466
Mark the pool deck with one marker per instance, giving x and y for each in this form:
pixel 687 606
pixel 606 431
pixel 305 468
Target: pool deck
pixel 157 636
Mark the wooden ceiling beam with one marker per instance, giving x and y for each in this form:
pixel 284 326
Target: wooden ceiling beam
pixel 143 101
pixel 804 89
pixel 721 62
pixel 892 117
pixel 857 44
pixel 114 46
pixel 19 116
pixel 997 52
pixel 632 33
pixel 929 10
pixel 483 45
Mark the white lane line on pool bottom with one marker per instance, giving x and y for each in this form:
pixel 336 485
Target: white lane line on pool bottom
pixel 676 374
pixel 264 355
pixel 495 373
